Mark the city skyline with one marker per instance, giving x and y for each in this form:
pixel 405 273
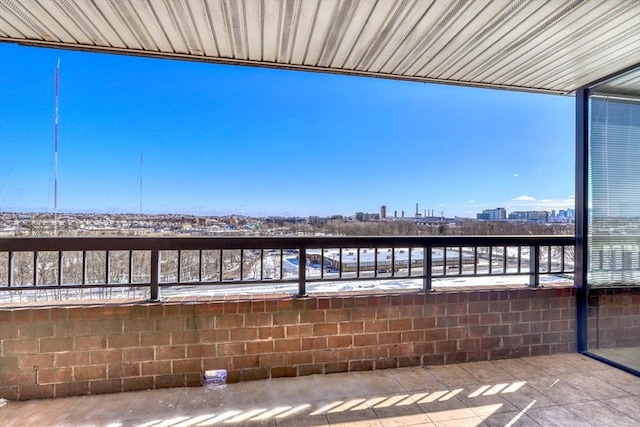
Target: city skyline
pixel 218 140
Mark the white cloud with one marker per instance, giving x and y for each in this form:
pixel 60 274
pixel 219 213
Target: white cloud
pixel 546 201
pixel 471 201
pixel 516 175
pixel 524 198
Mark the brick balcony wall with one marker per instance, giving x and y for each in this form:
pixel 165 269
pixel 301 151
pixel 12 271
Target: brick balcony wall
pixel 63 350
pixel 614 318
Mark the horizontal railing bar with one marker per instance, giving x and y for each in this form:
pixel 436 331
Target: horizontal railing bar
pixel 42 244
pixel 75 286
pixel 257 282
pixel 434 275
pixel 235 283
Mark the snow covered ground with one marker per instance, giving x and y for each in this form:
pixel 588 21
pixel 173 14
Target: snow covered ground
pixel 271 268
pixel 392 284
pixel 400 284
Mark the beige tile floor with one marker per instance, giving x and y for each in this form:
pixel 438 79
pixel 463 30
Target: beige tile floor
pixel 561 390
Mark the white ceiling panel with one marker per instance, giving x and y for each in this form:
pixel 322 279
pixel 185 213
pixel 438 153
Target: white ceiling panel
pixel 7 30
pixel 220 29
pixel 351 35
pixel 552 46
pixel 492 19
pixel 94 23
pixel 450 33
pixel 271 39
pixel 537 58
pixel 323 20
pixel 253 19
pixel 164 30
pixel 65 22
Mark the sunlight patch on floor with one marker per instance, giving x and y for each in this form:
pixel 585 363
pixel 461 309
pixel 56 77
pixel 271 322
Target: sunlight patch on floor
pixel 326 408
pixel 293 411
pixel 359 404
pixel 479 391
pixel 347 405
pixel 495 389
pixel 514 387
pixel 520 414
pixel 451 394
pixel 432 397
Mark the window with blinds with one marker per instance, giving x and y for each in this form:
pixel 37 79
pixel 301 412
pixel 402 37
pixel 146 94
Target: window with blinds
pixel 614 187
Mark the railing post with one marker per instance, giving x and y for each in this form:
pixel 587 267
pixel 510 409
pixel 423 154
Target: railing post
pixel 302 273
pixel 130 269
pixel 84 267
pixel 534 266
pixel 36 275
pixel 60 261
pixel 10 265
pixel 155 275
pixel 107 266
pixel 427 267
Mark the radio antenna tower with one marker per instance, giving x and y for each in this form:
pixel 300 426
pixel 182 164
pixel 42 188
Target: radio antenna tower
pixel 55 156
pixel 140 183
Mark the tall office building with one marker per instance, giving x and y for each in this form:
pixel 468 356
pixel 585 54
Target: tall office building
pixel 493 214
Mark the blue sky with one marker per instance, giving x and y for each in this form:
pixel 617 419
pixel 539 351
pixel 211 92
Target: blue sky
pixel 218 139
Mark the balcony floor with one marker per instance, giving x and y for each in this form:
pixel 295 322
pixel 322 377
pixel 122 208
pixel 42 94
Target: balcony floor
pixel 562 390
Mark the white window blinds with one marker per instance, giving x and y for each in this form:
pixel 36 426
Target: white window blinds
pixel 614 184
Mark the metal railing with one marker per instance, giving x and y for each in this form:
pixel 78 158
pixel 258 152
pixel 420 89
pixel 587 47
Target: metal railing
pixel 116 262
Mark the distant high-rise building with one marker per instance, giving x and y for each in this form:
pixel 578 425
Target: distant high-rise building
pixel 538 216
pixel 383 211
pixel 361 216
pixel 493 214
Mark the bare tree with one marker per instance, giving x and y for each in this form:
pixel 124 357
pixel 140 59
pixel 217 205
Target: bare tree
pixel 231 264
pixel 47 268
pixel 189 266
pixel 211 261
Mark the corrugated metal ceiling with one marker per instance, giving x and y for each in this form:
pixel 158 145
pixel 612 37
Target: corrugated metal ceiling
pixel 551 46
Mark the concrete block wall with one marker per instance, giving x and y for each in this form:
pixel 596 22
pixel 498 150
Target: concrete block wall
pixel 87 349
